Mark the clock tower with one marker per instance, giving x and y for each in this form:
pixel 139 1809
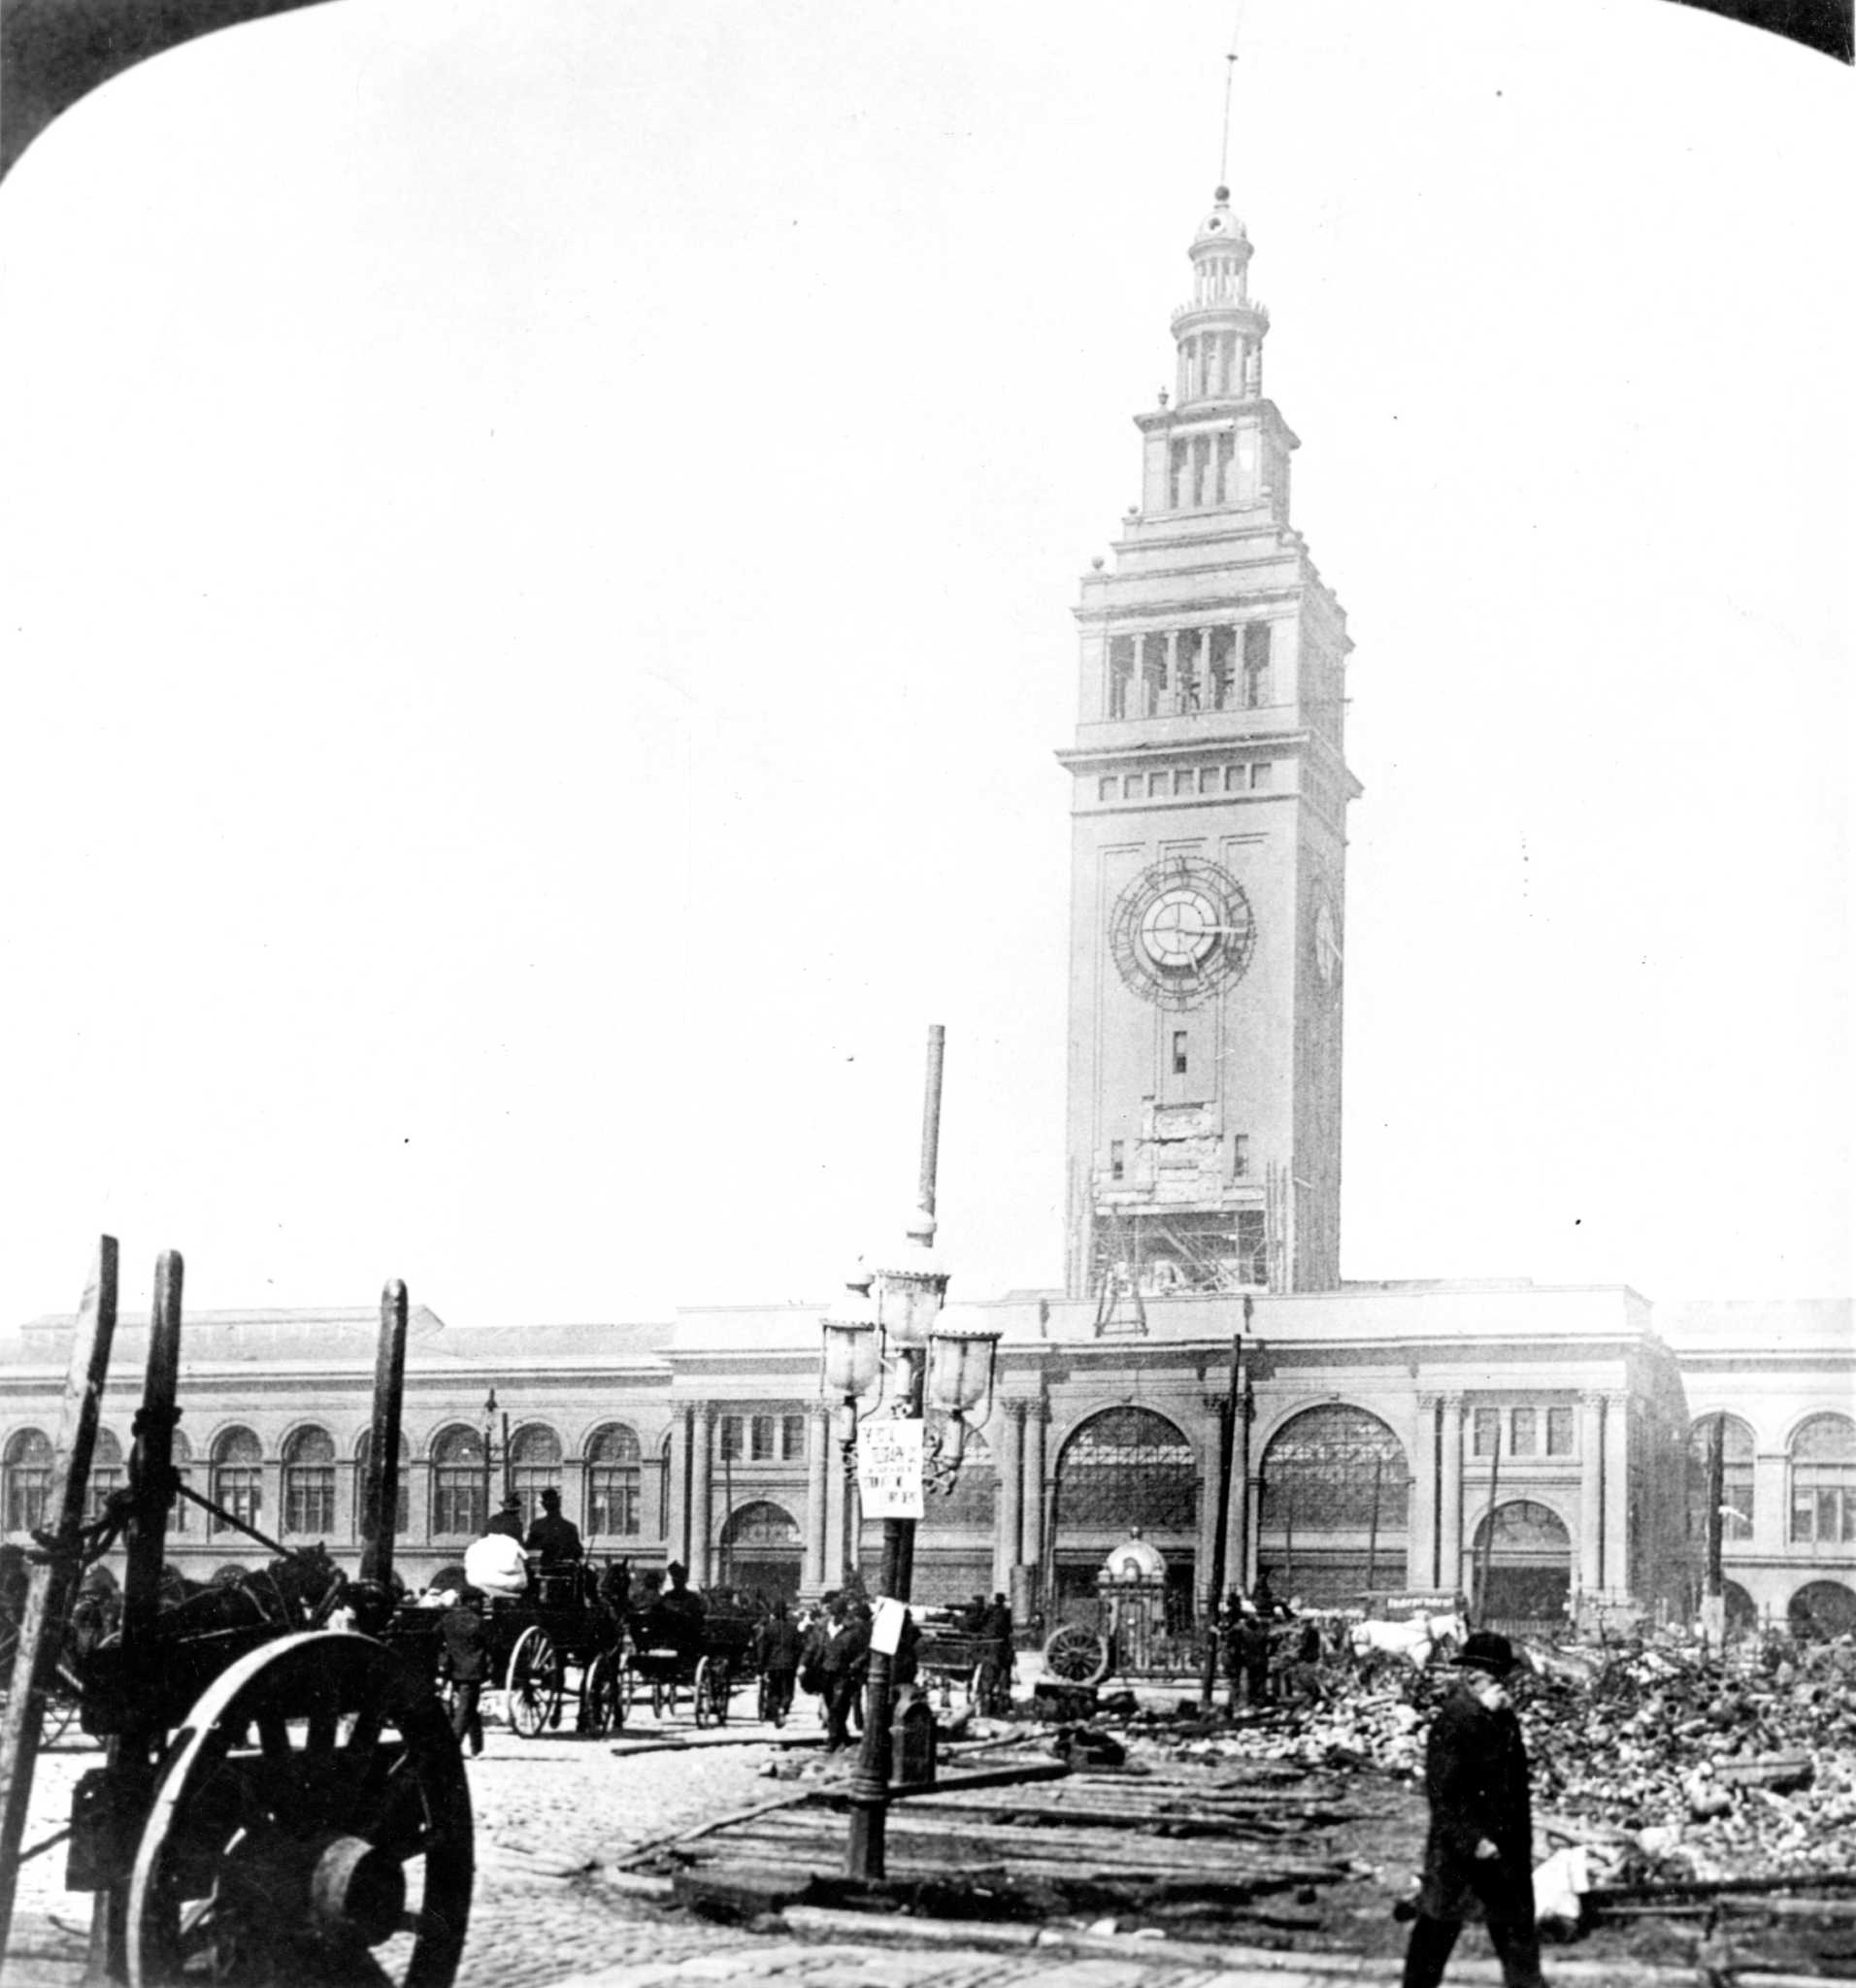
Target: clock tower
pixel 1208 844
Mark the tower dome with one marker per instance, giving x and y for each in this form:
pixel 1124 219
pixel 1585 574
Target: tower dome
pixel 1220 332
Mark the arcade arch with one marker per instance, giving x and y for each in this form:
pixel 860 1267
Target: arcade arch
pixel 1119 1468
pixel 762 1550
pixel 1334 1493
pixel 1524 1573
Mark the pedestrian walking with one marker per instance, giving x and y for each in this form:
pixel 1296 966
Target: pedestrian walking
pixel 467 1654
pixel 995 1663
pixel 1480 1848
pixel 776 1650
pixel 1253 1659
pixel 842 1652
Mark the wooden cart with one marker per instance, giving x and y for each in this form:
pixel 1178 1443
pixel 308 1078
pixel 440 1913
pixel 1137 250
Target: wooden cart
pixel 277 1803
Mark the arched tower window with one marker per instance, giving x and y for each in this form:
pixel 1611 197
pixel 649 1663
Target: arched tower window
pixel 27 1471
pixel 460 1488
pixel 614 1469
pixel 1824 1481
pixel 237 1479
pixel 309 1483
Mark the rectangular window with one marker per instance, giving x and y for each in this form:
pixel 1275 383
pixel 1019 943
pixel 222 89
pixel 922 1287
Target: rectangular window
pixel 1117 1159
pixel 1559 1432
pixel 760 1430
pixel 1182 781
pixel 458 1507
pixel 1207 779
pixel 1178 1052
pixel 1240 1155
pixel 237 1490
pixel 309 1498
pixel 1261 774
pixel 1234 780
pixel 1485 1430
pixel 1131 787
pixel 729 1433
pixel 1523 1432
pixel 611 1501
pixel 792 1438
pixel 1803 1512
pixel 1106 788
pixel 1157 784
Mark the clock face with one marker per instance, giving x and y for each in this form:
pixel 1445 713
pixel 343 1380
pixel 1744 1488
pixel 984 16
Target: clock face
pixel 1181 930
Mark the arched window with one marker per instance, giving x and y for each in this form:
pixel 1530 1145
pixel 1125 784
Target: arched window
pixel 1822 1608
pixel 402 1516
pixel 1128 1466
pixel 975 1497
pixel 460 1487
pixel 237 1479
pixel 107 1474
pixel 614 1466
pixel 1824 1481
pixel 309 1483
pixel 1331 1518
pixel 534 1464
pixel 1333 1469
pixel 27 1470
pixel 1736 1479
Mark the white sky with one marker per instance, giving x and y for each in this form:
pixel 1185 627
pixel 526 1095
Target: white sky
pixel 539 545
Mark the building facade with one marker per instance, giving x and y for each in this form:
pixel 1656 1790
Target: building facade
pixel 1541 1450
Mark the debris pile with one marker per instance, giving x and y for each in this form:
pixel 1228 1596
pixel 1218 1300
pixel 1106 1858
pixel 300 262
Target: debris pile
pixel 1666 1763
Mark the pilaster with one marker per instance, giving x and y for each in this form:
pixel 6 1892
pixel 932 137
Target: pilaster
pixel 1421 1526
pixel 1008 1514
pixel 1617 1491
pixel 1450 1519
pixel 1592 1569
pixel 677 1533
pixel 702 1459
pixel 1032 1510
pixel 1772 1506
pixel 817 1469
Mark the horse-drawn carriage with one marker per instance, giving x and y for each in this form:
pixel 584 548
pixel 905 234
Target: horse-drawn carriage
pixel 563 1640
pixel 952 1656
pixel 277 1803
pixel 702 1654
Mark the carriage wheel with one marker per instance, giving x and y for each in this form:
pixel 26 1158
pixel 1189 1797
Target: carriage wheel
pixel 601 1702
pixel 712 1691
pixel 1076 1654
pixel 627 1685
pixel 532 1693
pixel 663 1697
pixel 313 1825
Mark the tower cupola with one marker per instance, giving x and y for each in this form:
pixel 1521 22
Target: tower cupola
pixel 1220 331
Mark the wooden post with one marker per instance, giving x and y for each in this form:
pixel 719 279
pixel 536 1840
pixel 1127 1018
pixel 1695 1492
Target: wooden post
pixel 133 1752
pixel 381 1481
pixel 54 1580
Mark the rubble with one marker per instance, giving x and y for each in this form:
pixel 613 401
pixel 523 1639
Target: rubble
pixel 1662 1761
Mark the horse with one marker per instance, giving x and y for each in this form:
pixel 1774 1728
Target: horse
pixel 1416 1641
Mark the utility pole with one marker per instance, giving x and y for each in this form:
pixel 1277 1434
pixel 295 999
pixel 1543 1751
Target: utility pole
pixel 869 1790
pixel 1713 1588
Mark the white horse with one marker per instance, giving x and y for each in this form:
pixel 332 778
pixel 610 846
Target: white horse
pixel 1417 1640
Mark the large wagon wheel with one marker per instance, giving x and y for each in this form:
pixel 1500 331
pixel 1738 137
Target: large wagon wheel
pixel 602 1695
pixel 532 1692
pixel 314 1826
pixel 712 1691
pixel 1077 1653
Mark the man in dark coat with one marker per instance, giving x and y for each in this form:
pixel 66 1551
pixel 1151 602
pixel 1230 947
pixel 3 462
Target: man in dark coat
pixel 842 1653
pixel 996 1629
pixel 467 1652
pixel 555 1539
pixel 1481 1850
pixel 777 1648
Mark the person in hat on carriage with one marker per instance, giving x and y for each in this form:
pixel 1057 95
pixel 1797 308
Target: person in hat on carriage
pixel 555 1539
pixel 1479 1855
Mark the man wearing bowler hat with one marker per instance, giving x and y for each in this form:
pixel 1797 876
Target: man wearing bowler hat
pixel 1479 1853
